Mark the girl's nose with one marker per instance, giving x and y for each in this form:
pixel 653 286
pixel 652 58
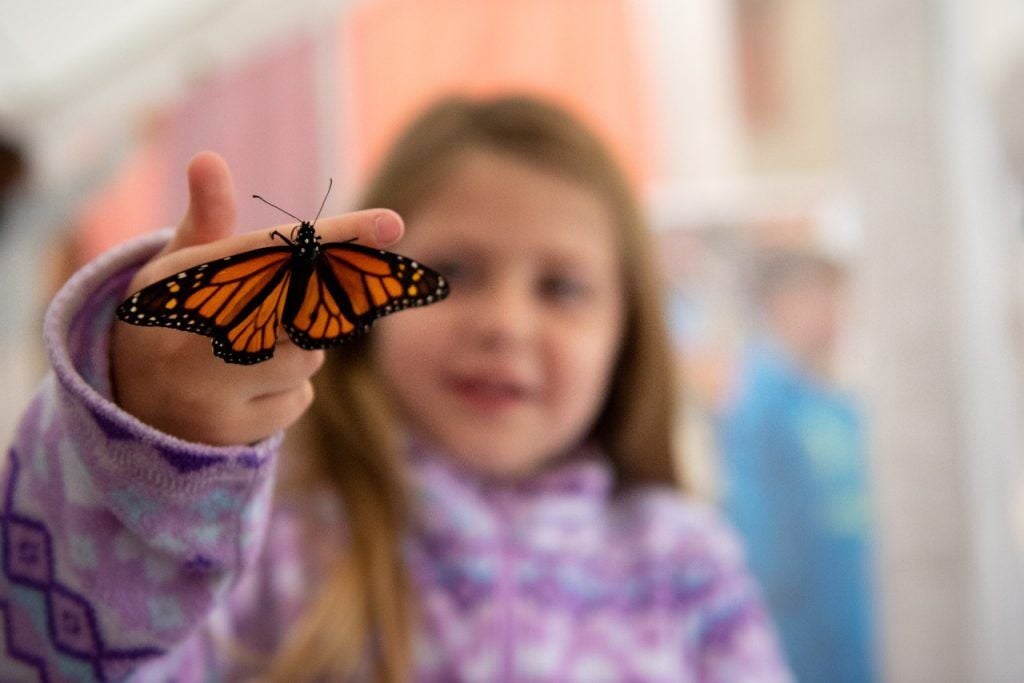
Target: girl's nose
pixel 504 318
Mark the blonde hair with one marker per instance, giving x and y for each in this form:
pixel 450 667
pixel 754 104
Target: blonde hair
pixel 361 621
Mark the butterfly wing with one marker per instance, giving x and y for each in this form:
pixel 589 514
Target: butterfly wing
pixel 238 300
pixel 353 285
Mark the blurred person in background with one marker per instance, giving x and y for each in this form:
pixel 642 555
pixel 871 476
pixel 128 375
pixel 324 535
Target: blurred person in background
pixel 793 470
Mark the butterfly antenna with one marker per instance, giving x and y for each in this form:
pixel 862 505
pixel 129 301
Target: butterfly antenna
pixel 330 183
pixel 256 196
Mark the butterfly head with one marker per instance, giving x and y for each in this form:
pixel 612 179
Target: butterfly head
pixel 307 242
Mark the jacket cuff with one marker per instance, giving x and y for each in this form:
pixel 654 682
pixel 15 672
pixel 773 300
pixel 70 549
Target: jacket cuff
pixel 116 447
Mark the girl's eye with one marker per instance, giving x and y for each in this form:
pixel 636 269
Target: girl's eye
pixel 564 288
pixel 454 270
pixel 450 269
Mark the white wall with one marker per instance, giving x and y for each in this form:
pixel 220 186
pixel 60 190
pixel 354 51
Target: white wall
pixel 944 394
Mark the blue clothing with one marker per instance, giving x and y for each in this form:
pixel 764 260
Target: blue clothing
pixel 794 473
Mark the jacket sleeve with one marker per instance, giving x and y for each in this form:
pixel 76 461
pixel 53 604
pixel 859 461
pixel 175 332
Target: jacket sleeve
pixel 738 642
pixel 118 541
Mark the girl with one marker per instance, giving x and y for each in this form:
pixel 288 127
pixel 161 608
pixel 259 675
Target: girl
pixel 483 490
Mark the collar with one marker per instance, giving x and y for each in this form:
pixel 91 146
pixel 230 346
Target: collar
pixel 455 505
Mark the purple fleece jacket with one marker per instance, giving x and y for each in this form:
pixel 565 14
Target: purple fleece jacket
pixel 129 554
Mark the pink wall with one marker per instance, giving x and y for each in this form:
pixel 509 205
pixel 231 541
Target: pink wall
pixel 402 54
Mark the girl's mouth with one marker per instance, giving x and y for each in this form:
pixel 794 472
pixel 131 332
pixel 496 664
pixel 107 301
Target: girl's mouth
pixel 490 395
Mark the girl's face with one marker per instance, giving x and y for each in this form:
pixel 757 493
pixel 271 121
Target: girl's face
pixel 510 370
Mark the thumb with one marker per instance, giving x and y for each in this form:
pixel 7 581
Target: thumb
pixel 211 206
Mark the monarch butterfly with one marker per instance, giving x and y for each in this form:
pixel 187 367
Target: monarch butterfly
pixel 323 294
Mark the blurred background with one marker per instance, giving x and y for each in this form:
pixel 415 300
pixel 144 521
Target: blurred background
pixel 836 187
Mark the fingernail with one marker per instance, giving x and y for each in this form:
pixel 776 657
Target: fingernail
pixel 388 227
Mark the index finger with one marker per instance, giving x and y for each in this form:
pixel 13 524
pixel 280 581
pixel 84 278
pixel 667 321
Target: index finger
pixel 372 227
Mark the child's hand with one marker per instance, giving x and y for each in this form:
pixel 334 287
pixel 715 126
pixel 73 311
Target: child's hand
pixel 172 381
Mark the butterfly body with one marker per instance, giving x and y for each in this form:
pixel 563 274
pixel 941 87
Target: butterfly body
pixel 306 244
pixel 322 294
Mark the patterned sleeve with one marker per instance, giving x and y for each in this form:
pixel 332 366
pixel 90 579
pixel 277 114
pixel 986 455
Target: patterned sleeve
pixel 117 540
pixel 738 642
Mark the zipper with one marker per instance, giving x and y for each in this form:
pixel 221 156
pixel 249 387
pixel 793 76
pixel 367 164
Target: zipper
pixel 506 587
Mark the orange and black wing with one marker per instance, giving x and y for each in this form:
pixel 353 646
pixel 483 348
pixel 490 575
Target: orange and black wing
pixel 238 300
pixel 350 287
